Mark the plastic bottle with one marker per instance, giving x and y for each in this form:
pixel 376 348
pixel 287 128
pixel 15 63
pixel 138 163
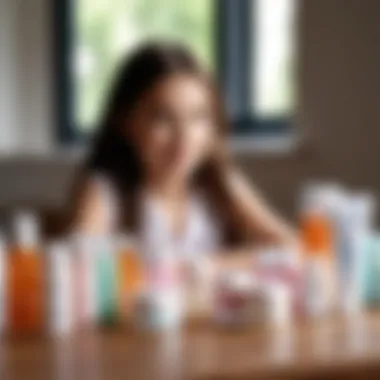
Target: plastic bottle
pixel 279 303
pixel 106 281
pixel 358 229
pixel 3 273
pixel 316 224
pixel 85 299
pixel 371 286
pixel 160 306
pixel 352 216
pixel 60 282
pixel 198 275
pixel 25 277
pixel 317 232
pixel 130 276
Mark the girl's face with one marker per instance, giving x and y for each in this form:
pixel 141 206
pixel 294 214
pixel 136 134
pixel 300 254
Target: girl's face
pixel 173 127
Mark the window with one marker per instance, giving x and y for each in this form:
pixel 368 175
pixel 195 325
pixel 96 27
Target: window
pixel 257 60
pixel 248 44
pixel 274 53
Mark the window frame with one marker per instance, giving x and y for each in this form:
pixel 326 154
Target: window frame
pixel 233 57
pixel 66 132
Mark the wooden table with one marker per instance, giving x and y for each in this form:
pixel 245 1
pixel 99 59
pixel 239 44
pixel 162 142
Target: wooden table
pixel 338 348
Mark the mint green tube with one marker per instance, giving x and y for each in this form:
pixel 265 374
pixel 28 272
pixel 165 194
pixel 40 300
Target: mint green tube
pixel 106 289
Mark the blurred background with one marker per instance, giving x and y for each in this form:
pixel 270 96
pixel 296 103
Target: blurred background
pixel 300 80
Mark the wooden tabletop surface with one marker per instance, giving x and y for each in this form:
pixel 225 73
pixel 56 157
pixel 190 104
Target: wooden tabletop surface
pixel 336 348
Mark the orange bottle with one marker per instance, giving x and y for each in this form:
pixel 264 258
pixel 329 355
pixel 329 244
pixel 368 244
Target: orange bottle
pixel 317 235
pixel 316 223
pixel 130 276
pixel 25 278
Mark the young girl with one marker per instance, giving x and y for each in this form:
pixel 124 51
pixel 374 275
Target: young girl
pixel 159 166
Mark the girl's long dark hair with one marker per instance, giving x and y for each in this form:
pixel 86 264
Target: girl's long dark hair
pixel 114 156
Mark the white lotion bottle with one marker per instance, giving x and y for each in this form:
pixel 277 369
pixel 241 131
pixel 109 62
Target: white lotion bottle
pixel 60 278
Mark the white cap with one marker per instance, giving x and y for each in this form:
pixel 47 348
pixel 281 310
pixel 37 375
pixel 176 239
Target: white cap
pixel 364 205
pixel 26 229
pixel 322 197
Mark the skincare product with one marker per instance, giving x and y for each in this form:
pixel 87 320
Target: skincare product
pixel 238 300
pixel 25 288
pixel 3 272
pixel 106 282
pixel 85 299
pixel 130 275
pixel 162 298
pixel 60 282
pixel 319 266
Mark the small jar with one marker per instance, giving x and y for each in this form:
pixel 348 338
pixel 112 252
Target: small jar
pixel 233 301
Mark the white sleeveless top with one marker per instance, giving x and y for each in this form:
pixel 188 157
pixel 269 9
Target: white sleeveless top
pixel 201 233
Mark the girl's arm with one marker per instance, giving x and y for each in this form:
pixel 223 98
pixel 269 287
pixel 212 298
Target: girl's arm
pixel 242 258
pixel 255 215
pixel 93 212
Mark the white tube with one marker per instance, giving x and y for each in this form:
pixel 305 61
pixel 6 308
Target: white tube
pixel 61 291
pixel 84 261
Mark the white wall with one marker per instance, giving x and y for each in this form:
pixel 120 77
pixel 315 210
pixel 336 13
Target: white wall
pixel 25 76
pixel 7 78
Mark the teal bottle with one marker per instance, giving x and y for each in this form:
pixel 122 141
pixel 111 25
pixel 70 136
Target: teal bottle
pixel 106 289
pixel 372 272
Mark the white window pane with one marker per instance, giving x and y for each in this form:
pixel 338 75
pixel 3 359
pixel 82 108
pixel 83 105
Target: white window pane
pixel 273 60
pixel 105 30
